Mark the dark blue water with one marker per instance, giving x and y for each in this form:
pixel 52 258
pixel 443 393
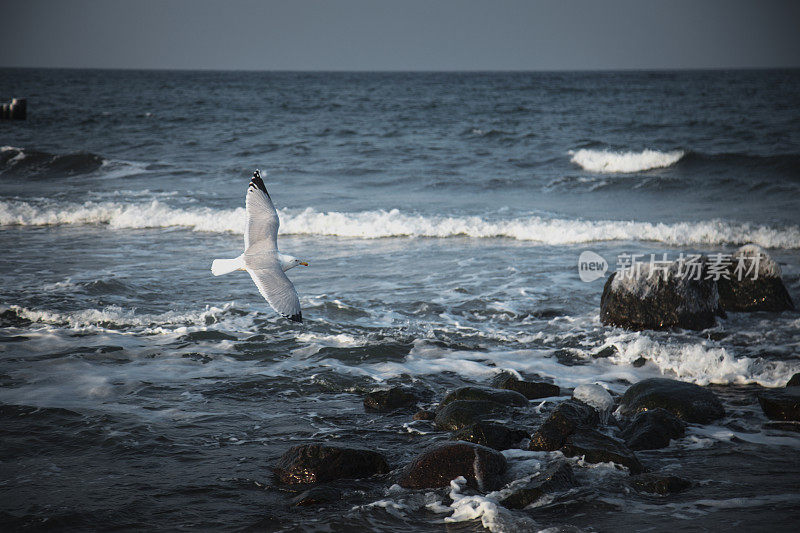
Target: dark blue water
pixel 442 215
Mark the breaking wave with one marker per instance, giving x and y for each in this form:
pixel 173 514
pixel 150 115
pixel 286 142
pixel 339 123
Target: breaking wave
pixel 609 162
pixel 32 163
pixel 394 223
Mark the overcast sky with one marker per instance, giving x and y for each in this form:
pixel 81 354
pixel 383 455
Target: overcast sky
pixel 401 34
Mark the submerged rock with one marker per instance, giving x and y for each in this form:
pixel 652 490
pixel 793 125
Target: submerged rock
pixel 781 404
pixel 462 413
pixel 557 477
pixel 487 394
pixel 314 463
pixel 687 401
pixel 652 429
pixel 317 495
pixel 424 414
pixel 482 467
pixel 638 300
pixel 390 399
pixel 530 389
pixel 740 292
pixel 492 435
pixel 658 483
pixel 603 353
pixel 596 447
pixel 562 422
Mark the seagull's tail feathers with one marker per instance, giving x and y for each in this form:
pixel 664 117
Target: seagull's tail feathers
pixel 225 266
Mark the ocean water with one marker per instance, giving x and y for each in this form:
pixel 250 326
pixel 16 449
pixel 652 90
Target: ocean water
pixel 442 215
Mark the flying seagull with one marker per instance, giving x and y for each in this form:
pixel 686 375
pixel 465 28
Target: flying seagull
pixel 261 258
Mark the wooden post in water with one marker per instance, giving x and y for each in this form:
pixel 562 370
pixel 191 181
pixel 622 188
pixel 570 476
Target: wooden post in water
pixel 6 112
pixel 19 109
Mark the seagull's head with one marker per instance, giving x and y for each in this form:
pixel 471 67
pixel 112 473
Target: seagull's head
pixel 287 262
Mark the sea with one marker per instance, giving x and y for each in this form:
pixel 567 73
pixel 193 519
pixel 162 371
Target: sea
pixel 442 215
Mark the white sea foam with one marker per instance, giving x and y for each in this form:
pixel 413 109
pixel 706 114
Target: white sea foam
pixel 394 223
pixel 609 162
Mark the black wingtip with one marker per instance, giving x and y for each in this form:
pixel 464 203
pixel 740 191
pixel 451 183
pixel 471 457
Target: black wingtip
pixel 257 182
pixel 295 318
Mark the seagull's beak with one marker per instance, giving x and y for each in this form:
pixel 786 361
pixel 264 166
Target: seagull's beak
pixel 304 263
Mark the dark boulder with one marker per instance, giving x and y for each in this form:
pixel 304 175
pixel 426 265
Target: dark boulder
pixel 781 404
pixel 390 399
pixel 565 418
pixel 687 401
pixel 596 447
pixel 653 429
pixel 658 483
pixel 794 380
pixel 317 495
pixel 603 353
pixel 461 413
pixel 637 300
pixel 424 414
pixel 530 389
pixel 753 283
pixel 313 463
pixel 557 477
pixel 482 467
pixel 486 394
pixel 491 435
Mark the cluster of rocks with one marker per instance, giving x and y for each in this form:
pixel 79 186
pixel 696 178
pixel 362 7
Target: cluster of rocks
pixel 683 295
pixel 651 413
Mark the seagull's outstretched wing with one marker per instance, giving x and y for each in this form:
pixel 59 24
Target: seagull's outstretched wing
pixel 262 219
pixel 278 290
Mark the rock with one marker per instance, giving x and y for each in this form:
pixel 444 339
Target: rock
pixel 794 380
pixel 781 404
pixel 783 426
pixel 9 318
pixel 639 362
pixel 658 483
pixel 491 435
pixel 653 429
pixel 423 414
pixel 598 448
pixel 565 418
pixel 391 399
pixel 595 396
pixel 557 477
pixel 636 300
pixel 461 413
pixel 687 401
pixel 313 463
pixel 608 351
pixel 487 394
pixel 740 292
pixel 316 495
pixel 482 467
pixel 530 389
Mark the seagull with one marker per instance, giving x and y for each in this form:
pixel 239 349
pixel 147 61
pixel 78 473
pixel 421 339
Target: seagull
pixel 261 258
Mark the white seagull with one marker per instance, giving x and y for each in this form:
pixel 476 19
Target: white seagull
pixel 261 258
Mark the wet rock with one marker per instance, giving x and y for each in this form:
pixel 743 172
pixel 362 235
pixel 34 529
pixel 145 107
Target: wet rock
pixel 313 463
pixel 794 380
pixel 423 414
pixel 9 318
pixel 390 400
pixel 596 397
pixel 487 394
pixel 687 401
pixel 317 495
pixel 562 422
pixel 461 413
pixel 784 426
pixel 740 292
pixel 482 467
pixel 530 389
pixel 640 362
pixel 596 447
pixel 557 477
pixel 658 483
pixel 608 351
pixel 637 300
pixel 653 429
pixel 781 404
pixel 491 435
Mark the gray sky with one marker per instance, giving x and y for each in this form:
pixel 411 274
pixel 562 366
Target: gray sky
pixel 401 34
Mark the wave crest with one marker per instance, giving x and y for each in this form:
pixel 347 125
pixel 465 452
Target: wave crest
pixel 394 223
pixel 608 162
